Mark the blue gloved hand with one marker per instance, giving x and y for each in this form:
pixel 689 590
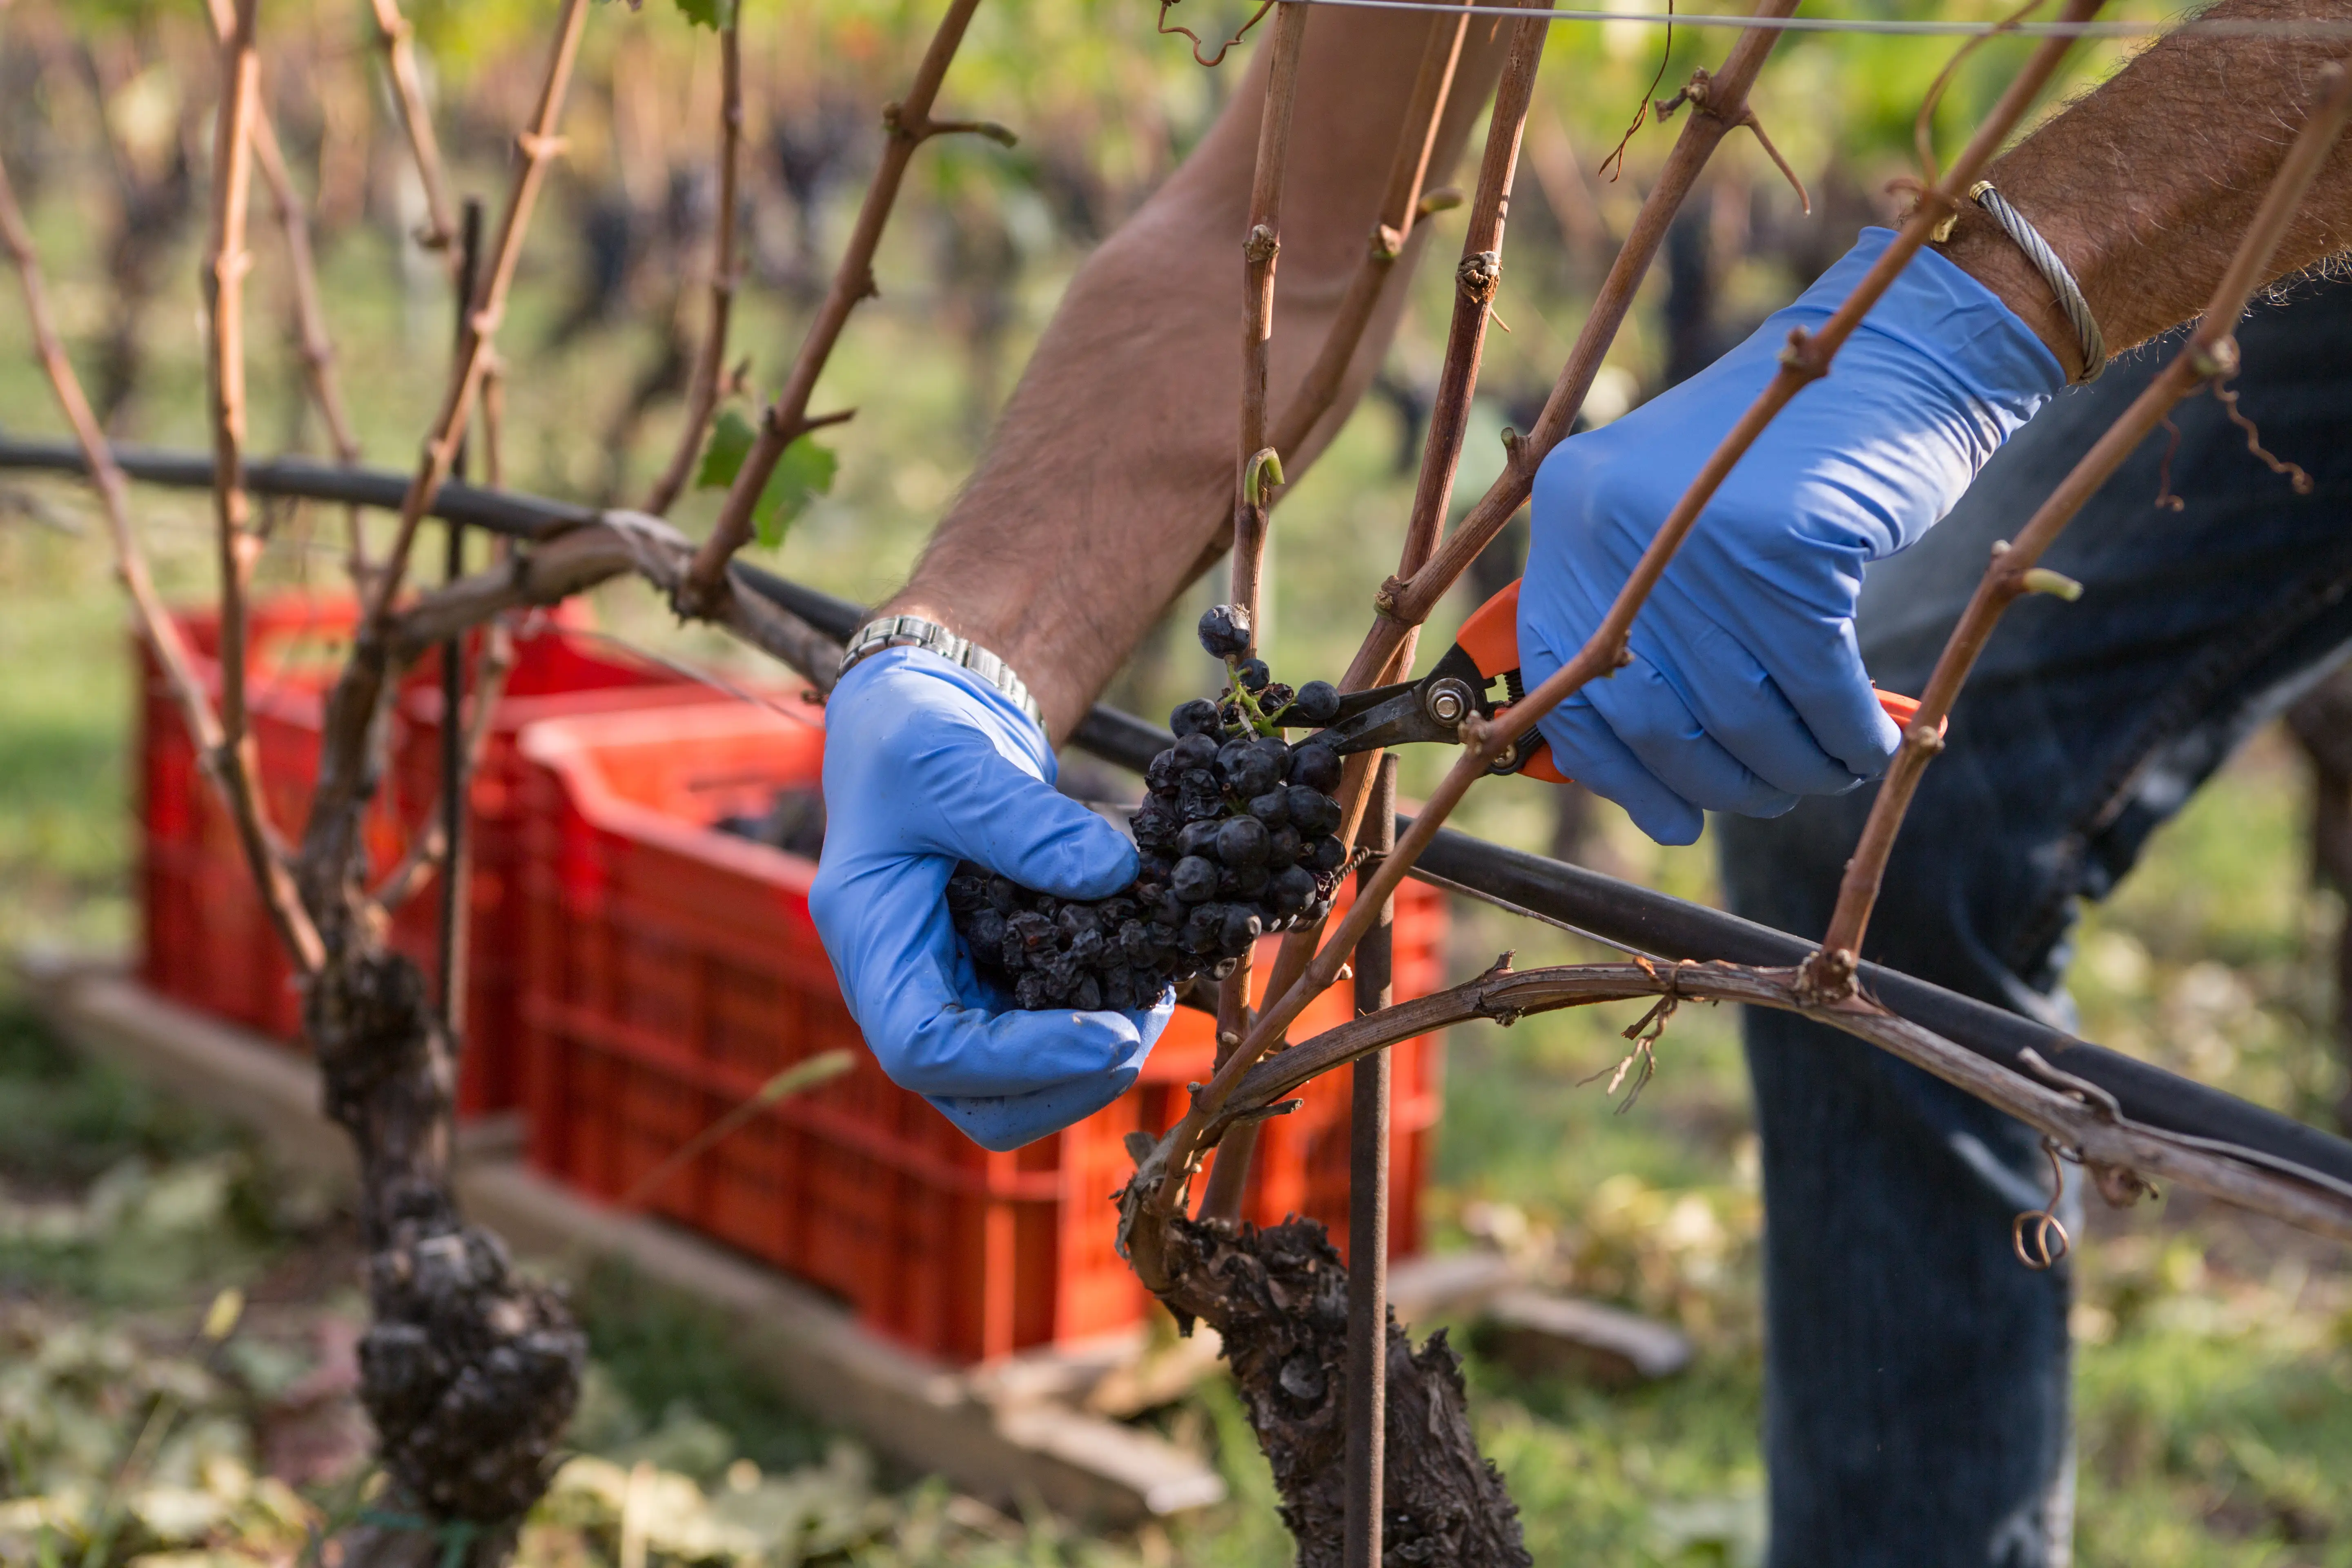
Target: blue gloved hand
pixel 925 764
pixel 1746 688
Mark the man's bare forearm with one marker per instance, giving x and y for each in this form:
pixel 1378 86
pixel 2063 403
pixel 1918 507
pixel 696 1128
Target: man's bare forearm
pixel 2144 186
pixel 1100 495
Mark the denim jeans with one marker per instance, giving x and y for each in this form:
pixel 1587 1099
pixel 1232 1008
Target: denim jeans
pixel 1917 1398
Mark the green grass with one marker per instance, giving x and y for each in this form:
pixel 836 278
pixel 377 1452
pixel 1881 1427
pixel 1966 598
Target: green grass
pixel 172 1202
pixel 64 1121
pixel 2204 1448
pixel 666 1368
pixel 66 826
pixel 1661 1474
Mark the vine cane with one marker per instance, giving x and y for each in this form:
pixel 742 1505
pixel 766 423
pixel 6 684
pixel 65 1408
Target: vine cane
pixel 1368 1202
pixel 453 689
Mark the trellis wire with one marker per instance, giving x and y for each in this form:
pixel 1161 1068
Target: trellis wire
pixel 2220 27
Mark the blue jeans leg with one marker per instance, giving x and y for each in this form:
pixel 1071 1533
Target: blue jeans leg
pixel 1917 1409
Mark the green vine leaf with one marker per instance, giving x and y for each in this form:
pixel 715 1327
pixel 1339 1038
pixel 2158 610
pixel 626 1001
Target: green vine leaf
pixel 714 14
pixel 723 454
pixel 805 473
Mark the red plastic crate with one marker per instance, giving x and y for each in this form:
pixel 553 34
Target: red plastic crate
pixel 205 939
pixel 672 969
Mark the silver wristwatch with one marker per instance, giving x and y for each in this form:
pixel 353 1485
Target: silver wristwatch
pixel 913 631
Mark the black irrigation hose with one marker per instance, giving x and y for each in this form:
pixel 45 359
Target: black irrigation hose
pixel 1670 928
pixel 1622 911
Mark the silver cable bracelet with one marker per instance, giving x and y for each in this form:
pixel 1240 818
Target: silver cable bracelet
pixel 2053 272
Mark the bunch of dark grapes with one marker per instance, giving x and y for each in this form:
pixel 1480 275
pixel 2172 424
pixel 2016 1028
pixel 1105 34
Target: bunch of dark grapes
pixel 1235 841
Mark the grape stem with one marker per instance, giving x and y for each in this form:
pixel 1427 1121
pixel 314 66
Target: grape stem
pixel 1260 722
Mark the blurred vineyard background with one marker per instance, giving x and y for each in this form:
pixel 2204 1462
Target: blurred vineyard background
pixel 2216 1353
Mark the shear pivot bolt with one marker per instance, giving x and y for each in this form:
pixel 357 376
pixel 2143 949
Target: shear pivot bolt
pixel 1448 702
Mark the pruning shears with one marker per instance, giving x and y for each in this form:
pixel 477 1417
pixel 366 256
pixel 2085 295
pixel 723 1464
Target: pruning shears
pixel 1478 675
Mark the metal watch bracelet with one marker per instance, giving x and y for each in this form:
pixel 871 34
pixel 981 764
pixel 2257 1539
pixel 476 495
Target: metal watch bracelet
pixel 913 631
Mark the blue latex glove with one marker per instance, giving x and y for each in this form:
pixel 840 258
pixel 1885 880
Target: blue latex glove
pixel 925 764
pixel 1746 688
